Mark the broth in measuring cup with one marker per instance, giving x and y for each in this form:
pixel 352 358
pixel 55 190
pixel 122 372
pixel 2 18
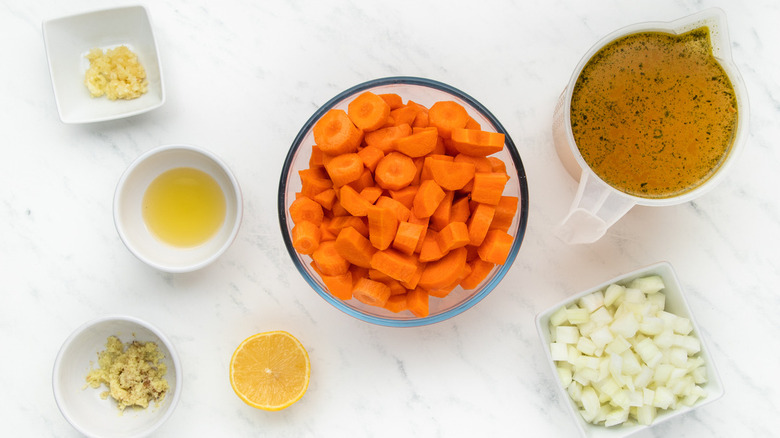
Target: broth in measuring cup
pixel 654 114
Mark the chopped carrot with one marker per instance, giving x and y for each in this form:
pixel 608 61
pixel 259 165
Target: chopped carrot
pixel 371 194
pixel 417 145
pixel 354 247
pixel 401 212
pixel 315 160
pixel 405 196
pixel 340 286
pixel 443 292
pixel 314 181
pixel 426 170
pixel 473 124
pixel 325 198
pixel 441 216
pixel 427 199
pixel 379 276
pixel 407 237
pixel 382 226
pixel 472 254
pixel 479 223
pixel 396 288
pixel 479 271
pixel 357 273
pixel 460 211
pixel 420 221
pixel 395 171
pixel 497 165
pixel 496 246
pixel 325 232
pixel 481 164
pixel 371 292
pixel 371 156
pixel 306 237
pixel 455 235
pixel 338 223
pixel 430 250
pixel 396 303
pixel 417 302
pixel 328 260
pixel 351 200
pixel 477 143
pixel 393 100
pixel 335 133
pixel 344 168
pixel 447 116
pixel 404 115
pixel 305 209
pixel 444 271
pixel 383 138
pixel 366 180
pixel 488 187
pixel 421 119
pixel 452 175
pixel 505 213
pixel 411 284
pixel 368 111
pixel 394 264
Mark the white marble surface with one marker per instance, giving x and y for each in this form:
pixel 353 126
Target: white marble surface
pixel 242 76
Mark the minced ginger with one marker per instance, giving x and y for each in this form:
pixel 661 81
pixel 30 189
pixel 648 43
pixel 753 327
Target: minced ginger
pixel 117 74
pixel 134 373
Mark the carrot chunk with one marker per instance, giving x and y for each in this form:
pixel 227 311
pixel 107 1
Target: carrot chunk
pixel 371 156
pixel 496 246
pixel 417 145
pixel 479 223
pixel 452 175
pixel 401 212
pixel 488 187
pixel 383 138
pixel 393 100
pixel 354 247
pixel 427 199
pixel 371 194
pixel 306 237
pixel 417 302
pixel 447 116
pixel 395 171
pixel 351 200
pixel 344 168
pixel 505 213
pixel 477 143
pixel 394 264
pixel 305 209
pixel 382 226
pixel 371 292
pixel 479 271
pixel 455 235
pixel 396 303
pixel 405 196
pixel 368 111
pixel 444 271
pixel 407 237
pixel 340 286
pixel 328 259
pixel 335 133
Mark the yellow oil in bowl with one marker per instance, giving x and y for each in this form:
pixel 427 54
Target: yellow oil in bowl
pixel 184 207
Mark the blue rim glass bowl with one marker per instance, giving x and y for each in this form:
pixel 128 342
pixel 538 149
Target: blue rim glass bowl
pixel 425 92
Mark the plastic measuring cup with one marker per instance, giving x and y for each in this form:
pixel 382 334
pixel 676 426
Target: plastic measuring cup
pixel 597 205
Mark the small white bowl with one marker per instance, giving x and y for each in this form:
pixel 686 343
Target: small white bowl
pixel 83 407
pixel 128 201
pixel 676 304
pixel 69 39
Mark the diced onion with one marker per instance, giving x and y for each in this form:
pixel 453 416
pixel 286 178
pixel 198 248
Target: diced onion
pixel 622 357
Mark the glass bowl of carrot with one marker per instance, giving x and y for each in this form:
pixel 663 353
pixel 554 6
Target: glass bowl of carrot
pixel 403 201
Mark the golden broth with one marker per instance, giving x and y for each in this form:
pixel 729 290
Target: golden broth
pixel 654 114
pixel 184 207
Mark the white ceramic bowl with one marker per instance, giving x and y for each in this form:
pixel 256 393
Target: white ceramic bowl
pixel 69 39
pixel 129 220
pixel 676 304
pixel 83 407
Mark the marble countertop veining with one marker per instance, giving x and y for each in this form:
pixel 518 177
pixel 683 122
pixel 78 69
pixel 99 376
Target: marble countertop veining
pixel 242 77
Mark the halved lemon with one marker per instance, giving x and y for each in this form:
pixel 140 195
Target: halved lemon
pixel 270 370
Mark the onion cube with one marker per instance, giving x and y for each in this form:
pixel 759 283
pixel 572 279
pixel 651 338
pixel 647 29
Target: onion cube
pixel 649 284
pixel 567 334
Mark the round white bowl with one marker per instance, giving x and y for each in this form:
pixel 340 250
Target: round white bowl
pixel 82 406
pixel 129 220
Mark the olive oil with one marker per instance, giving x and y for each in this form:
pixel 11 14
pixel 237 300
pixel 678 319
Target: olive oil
pixel 184 207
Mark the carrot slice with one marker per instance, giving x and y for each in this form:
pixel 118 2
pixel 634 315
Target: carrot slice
pixel 455 235
pixel 344 168
pixel 421 119
pixel 354 247
pixel 441 217
pixel 496 246
pixel 396 303
pixel 325 233
pixel 351 200
pixel 335 133
pixel 382 226
pixel 479 223
pixel 404 115
pixel 325 198
pixel 479 271
pixel 383 138
pixel 340 222
pixel 411 284
pixel 306 237
pixel 460 211
pixel 427 199
pixel 340 286
pixel 371 194
pixel 477 143
pixel 447 116
pixel 488 187
pixel 328 259
pixel 366 180
pixel 395 171
pixel 444 271
pixel 405 196
pixel 368 111
pixel 417 145
pixel 393 100
pixel 371 156
pixel 394 264
pixel 497 165
pixel 481 164
pixel 305 209
pixel 430 250
pixel 407 237
pixel 315 160
pixel 443 292
pixel 452 175
pixel 505 213
pixel 401 212
pixel 473 124
pixel 417 302
pixel 371 292
pixel 314 181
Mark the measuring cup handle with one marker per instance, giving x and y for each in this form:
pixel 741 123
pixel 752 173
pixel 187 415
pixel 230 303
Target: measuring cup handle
pixel 595 208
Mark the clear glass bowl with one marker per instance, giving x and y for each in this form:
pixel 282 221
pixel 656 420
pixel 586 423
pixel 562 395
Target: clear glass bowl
pixel 425 92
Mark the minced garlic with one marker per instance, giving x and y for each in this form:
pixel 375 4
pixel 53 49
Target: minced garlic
pixel 134 373
pixel 117 74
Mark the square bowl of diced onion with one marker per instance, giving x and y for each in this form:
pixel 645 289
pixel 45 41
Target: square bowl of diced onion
pixel 628 354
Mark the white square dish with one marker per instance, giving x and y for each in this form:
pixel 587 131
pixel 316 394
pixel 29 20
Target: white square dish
pixel 676 304
pixel 69 39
